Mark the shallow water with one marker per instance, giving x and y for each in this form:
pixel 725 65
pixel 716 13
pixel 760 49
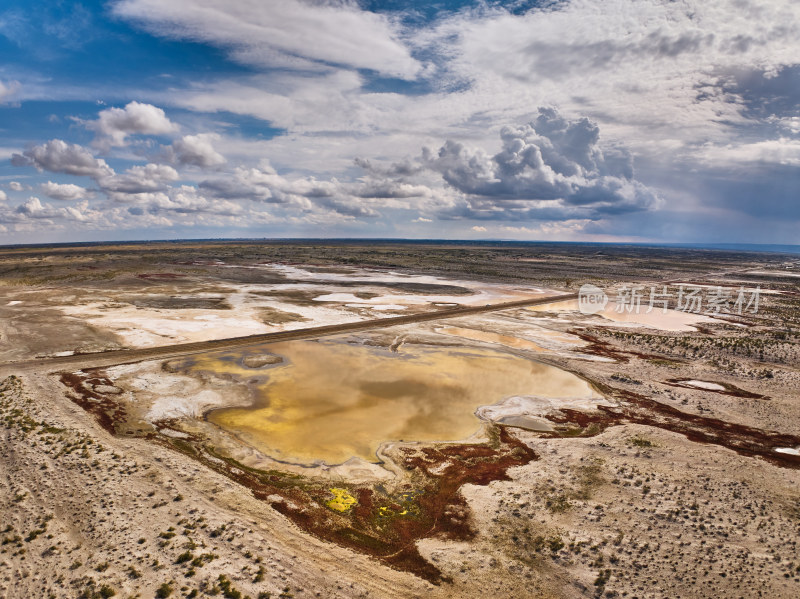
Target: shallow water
pixel 477 335
pixel 331 401
pixel 672 320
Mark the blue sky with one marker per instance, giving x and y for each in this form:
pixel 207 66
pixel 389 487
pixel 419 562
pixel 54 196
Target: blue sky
pixel 629 120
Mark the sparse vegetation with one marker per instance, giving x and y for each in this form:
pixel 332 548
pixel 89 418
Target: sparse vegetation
pixel 622 510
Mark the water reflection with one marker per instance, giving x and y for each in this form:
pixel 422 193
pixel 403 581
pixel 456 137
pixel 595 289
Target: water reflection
pixel 331 401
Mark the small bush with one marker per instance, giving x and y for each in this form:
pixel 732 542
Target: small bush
pixel 106 591
pixel 641 442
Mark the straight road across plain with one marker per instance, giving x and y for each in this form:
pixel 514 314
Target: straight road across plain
pixel 126 356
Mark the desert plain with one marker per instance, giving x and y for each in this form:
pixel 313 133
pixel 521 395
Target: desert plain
pixel 387 419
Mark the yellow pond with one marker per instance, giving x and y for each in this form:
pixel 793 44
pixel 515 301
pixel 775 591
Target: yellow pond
pixel 331 401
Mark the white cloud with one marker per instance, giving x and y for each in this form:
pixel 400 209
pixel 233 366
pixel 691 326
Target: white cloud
pixel 551 168
pixel 328 102
pixel 385 189
pixel 479 229
pixel 34 211
pixel 64 191
pixel 181 206
pixel 32 207
pixel 253 184
pixel 58 156
pixel 180 200
pixel 691 85
pixel 658 79
pixel 114 125
pixel 293 33
pixel 3 196
pixel 782 151
pixel 644 68
pixel 304 194
pixel 139 179
pixel 8 91
pixel 196 150
pixel 562 230
pixel 791 124
pixel 15 186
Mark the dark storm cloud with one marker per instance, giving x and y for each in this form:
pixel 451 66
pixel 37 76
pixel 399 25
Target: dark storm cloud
pixel 551 168
pixel 765 93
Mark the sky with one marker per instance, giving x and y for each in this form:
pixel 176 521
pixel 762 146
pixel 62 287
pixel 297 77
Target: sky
pixel 669 121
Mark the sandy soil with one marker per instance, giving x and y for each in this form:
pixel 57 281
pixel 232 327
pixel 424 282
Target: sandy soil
pixel 141 320
pixel 654 486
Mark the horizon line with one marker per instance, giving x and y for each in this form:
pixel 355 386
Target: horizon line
pixel 754 247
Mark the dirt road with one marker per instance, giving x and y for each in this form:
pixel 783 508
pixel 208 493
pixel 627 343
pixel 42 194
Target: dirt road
pixel 123 356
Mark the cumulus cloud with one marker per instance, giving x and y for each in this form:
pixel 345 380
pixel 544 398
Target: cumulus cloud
pixel 181 205
pixel 290 33
pixel 16 186
pixel 702 92
pixel 195 150
pixel 560 230
pixel 139 179
pixel 180 200
pixel 306 194
pixel 114 125
pixel 32 207
pixel 385 189
pixel 64 191
pixel 58 156
pixel 790 124
pixel 34 211
pixel 404 168
pixel 245 184
pixel 3 196
pixel 550 168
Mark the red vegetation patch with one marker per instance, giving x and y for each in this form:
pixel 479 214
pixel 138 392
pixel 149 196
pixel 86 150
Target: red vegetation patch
pixel 381 524
pixel 107 411
pixel 731 390
pixel 638 409
pixel 598 347
pixel 388 526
